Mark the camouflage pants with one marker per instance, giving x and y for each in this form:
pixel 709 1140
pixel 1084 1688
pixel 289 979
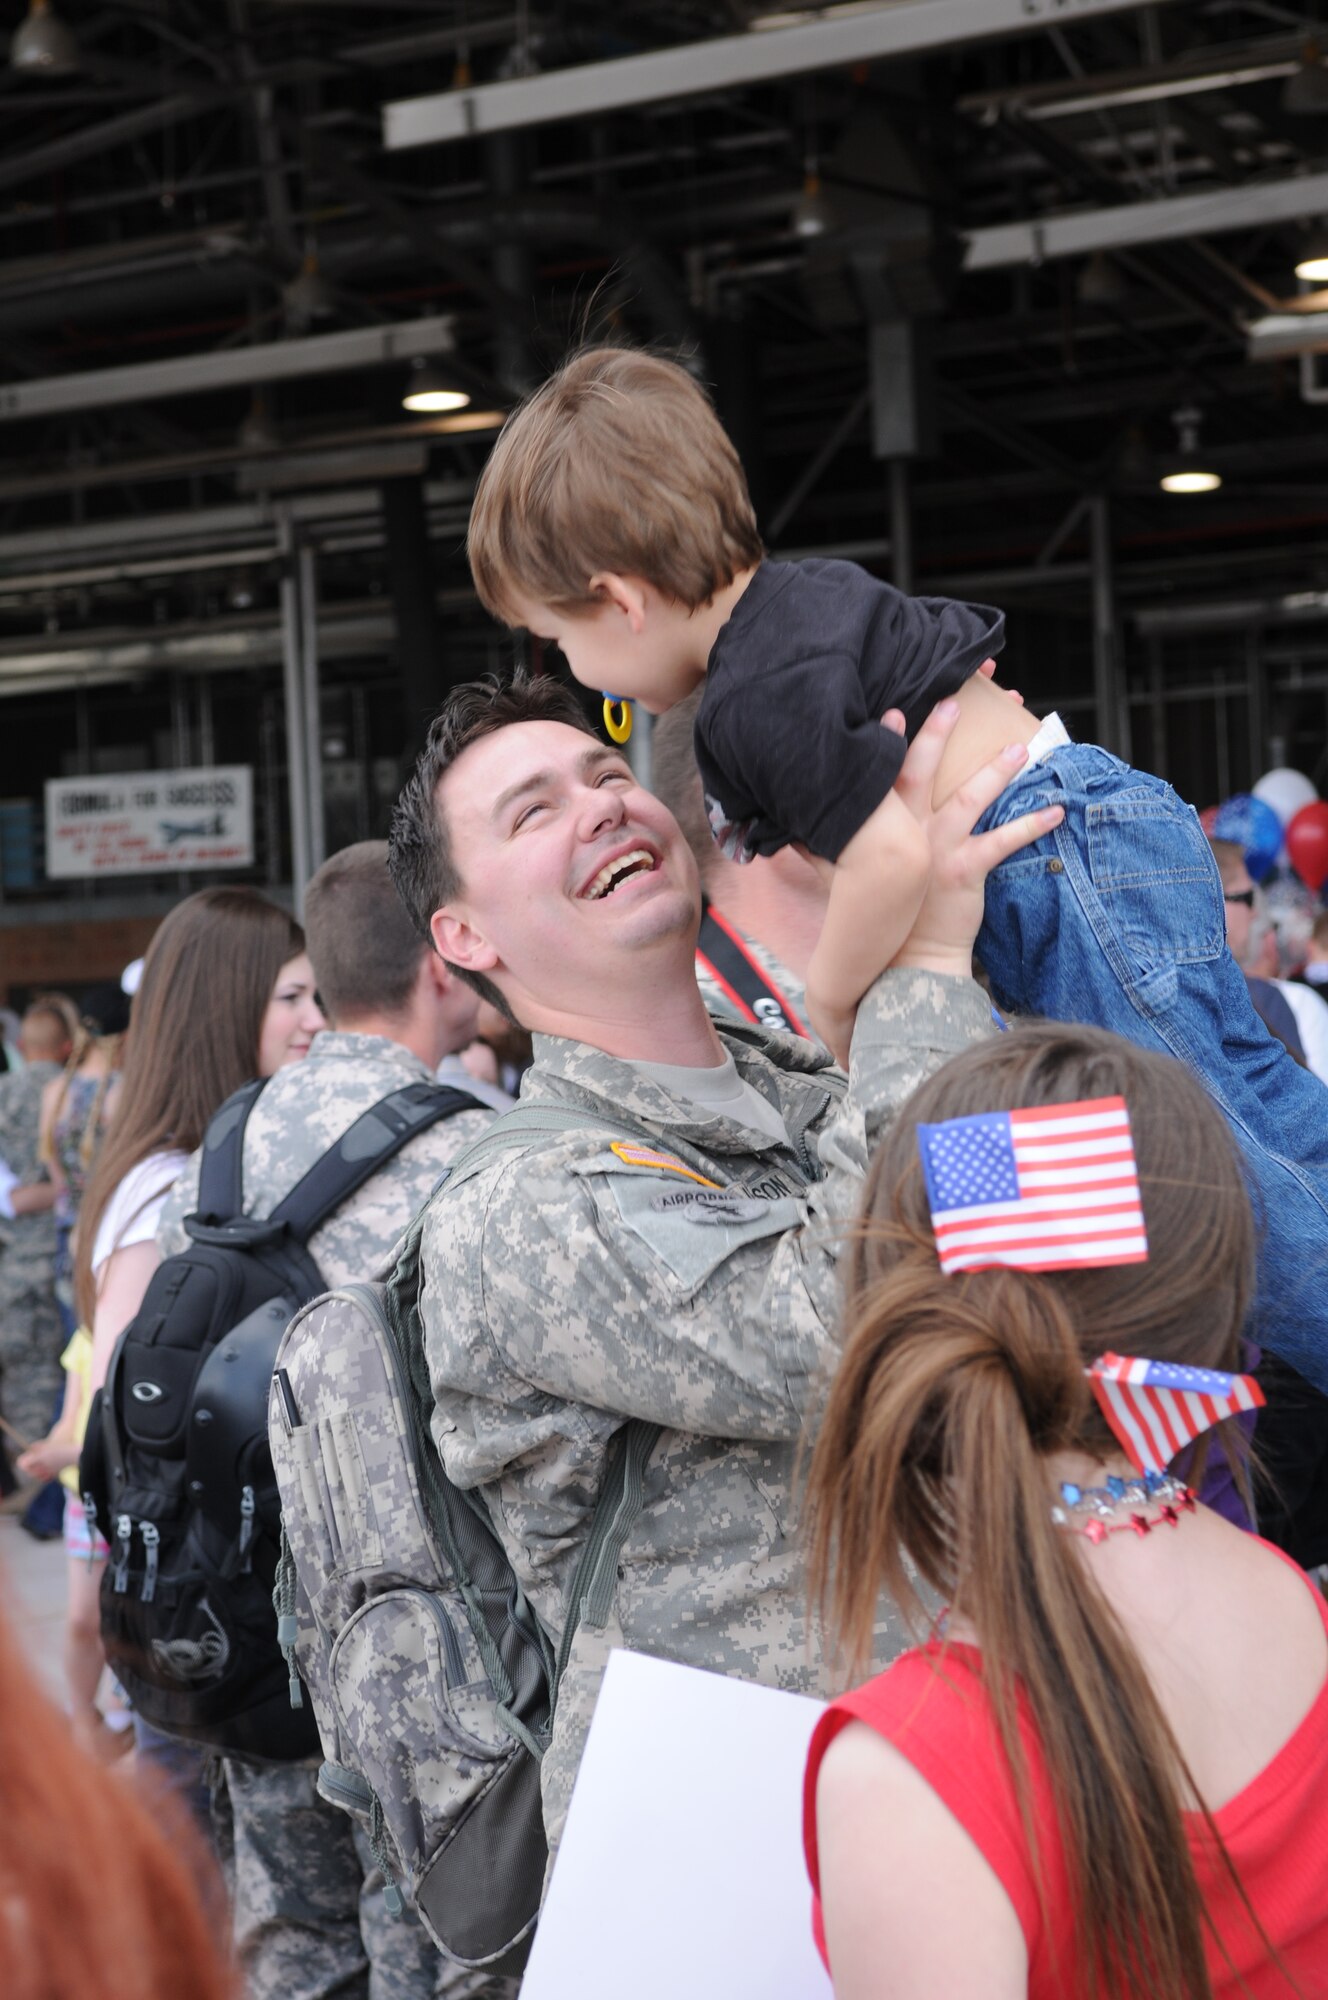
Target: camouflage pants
pixel 30 1373
pixel 310 1921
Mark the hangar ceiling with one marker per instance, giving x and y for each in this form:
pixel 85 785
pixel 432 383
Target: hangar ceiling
pixel 1056 220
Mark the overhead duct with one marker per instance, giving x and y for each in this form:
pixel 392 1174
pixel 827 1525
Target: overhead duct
pixel 586 90
pixel 1082 231
pixel 1278 335
pixel 186 374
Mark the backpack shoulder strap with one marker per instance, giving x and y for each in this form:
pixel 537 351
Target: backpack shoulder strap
pixel 513 1129
pixel 590 1599
pixel 377 1135
pixel 221 1166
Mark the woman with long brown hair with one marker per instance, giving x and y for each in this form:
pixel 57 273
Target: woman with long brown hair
pixel 1105 1772
pixel 226 994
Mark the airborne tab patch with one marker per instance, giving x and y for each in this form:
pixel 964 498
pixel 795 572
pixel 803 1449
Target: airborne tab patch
pixel 645 1156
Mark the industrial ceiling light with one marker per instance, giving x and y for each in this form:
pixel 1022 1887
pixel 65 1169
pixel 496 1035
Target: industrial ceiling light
pixel 1306 89
pixel 307 295
pixel 1312 263
pixel 42 44
pixel 1186 472
pixel 429 391
pixel 257 433
pixel 1100 282
pixel 812 211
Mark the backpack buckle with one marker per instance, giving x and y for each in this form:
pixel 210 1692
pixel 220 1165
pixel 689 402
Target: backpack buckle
pixel 242 1232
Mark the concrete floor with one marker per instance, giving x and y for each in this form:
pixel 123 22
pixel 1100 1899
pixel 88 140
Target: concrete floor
pixel 32 1580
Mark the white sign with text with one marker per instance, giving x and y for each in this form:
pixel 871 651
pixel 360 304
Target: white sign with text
pixel 143 822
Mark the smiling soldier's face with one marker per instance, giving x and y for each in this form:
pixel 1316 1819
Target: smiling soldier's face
pixel 571 871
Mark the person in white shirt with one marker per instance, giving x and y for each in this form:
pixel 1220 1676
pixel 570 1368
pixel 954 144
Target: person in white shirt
pixel 226 994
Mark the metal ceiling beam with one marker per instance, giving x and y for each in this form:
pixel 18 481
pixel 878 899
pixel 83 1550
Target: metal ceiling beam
pixel 1082 231
pixel 1277 336
pixel 906 28
pixel 1195 72
pixel 274 361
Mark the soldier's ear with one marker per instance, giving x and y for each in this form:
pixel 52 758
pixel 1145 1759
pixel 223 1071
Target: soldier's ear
pixel 460 943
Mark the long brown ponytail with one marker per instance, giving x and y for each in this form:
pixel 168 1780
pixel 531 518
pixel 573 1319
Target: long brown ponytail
pixel 949 1393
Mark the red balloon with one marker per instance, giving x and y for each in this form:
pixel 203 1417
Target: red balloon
pixel 1307 844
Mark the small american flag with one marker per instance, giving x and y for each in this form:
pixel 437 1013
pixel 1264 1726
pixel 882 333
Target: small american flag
pixel 1054 1189
pixel 1156 1408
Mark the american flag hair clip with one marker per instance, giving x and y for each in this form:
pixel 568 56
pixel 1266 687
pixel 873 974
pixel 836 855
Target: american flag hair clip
pixel 1156 1408
pixel 1051 1189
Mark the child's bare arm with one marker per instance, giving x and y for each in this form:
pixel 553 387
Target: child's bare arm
pixel 876 891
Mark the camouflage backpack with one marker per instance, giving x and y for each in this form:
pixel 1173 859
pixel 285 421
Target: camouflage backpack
pixel 432 1680
pixel 175 1461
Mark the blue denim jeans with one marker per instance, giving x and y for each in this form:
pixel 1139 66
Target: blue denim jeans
pixel 1116 919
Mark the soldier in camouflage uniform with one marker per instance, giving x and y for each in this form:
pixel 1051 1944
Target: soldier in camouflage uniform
pixel 684 1272
pixel 30 1336
pixel 310 1920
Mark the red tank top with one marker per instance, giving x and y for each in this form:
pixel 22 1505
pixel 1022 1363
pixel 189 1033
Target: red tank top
pixel 932 1706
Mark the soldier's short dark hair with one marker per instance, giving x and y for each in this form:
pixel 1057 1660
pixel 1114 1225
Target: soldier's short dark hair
pixel 419 853
pixel 365 950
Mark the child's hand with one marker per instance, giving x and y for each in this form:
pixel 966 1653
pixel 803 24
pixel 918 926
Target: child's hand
pixel 49 1456
pixel 951 914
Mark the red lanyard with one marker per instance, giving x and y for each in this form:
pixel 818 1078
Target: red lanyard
pixel 721 952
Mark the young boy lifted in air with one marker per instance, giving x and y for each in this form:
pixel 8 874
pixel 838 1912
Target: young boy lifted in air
pixel 613 518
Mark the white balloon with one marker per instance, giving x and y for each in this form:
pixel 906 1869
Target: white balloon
pixel 1286 792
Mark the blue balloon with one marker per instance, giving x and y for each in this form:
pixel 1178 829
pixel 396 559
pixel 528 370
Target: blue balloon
pixel 1255 828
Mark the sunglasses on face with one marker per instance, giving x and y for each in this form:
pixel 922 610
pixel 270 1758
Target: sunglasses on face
pixel 1245 896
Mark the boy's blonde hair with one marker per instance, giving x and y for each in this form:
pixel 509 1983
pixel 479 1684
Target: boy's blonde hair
pixel 619 463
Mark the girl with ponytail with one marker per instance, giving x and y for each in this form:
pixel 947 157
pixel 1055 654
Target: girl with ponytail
pixel 1105 1772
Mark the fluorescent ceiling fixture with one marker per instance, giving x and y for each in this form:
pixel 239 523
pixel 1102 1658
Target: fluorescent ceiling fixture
pixel 1190 482
pixel 1314 267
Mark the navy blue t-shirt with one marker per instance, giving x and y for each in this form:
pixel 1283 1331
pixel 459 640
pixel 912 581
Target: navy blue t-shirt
pixel 788 731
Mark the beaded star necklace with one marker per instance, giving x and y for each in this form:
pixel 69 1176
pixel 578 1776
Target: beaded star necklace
pixel 1171 1497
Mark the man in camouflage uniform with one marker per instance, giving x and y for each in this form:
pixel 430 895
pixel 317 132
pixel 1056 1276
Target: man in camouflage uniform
pixel 310 1920
pixel 685 1272
pixel 30 1342
pixel 773 906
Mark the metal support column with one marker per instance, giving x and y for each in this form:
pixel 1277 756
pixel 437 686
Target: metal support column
pixel 505 161
pixel 292 678
pixel 901 524
pixel 307 579
pixel 1157 706
pixel 1256 698
pixel 640 744
pixel 1109 706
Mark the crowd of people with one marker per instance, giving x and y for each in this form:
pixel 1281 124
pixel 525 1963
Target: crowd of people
pixel 917 1322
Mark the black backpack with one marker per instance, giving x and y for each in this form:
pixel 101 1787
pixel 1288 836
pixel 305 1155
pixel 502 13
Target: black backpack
pixel 176 1470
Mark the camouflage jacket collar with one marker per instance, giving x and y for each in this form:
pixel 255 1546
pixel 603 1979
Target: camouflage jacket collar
pixel 797 1077
pixel 337 1046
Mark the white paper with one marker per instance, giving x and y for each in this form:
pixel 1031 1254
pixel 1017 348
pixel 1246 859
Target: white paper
pixel 681 1875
